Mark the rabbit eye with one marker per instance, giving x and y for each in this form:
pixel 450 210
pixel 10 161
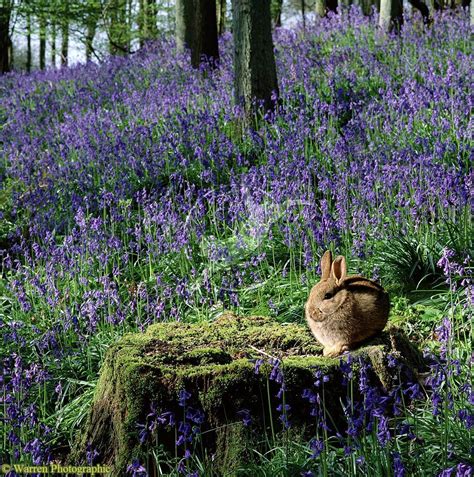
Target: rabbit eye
pixel 328 295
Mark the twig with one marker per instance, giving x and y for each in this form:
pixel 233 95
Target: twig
pixel 262 352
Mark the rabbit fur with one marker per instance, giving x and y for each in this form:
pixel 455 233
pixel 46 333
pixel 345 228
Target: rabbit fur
pixel 342 310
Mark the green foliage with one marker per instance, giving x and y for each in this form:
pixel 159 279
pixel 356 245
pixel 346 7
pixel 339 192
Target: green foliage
pixel 411 260
pixel 410 263
pixel 7 224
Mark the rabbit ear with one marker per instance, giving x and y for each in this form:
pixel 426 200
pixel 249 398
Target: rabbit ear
pixel 339 269
pixel 326 261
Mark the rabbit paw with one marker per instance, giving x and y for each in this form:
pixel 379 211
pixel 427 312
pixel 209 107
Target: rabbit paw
pixel 334 351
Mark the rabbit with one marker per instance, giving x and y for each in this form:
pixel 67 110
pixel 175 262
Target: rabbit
pixel 342 310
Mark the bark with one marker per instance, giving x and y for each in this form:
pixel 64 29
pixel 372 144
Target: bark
pixel 171 20
pixel 28 42
pixel 277 6
pixel 303 13
pixel 141 21
pixel 5 40
pixel 91 24
pixel 53 44
pixel 152 12
pixel 129 14
pixel 12 54
pixel 423 9
pixel 90 34
pixel 196 29
pixel 391 15
pixel 42 40
pixel 221 14
pixel 207 32
pixel 472 12
pixel 367 7
pixel 431 7
pixel 320 6
pixel 324 6
pixel 118 28
pixel 185 20
pixel 254 61
pixel 65 34
pixel 147 21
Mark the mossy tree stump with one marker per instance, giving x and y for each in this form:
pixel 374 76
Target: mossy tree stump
pixel 215 363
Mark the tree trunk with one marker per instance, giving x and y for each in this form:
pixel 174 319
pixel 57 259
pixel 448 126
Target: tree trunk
pixel 221 14
pixel 53 44
pixel 331 5
pixel 152 12
pixel 118 30
pixel 303 13
pixel 391 15
pixel 147 21
pixel 11 53
pixel 254 62
pixel 323 6
pixel 5 40
pixel 207 32
pixel 91 23
pixel 170 19
pixel 90 34
pixel 65 34
pixel 129 23
pixel 320 6
pixel 28 42
pixel 423 9
pixel 471 7
pixel 141 21
pixel 367 7
pixel 196 29
pixel 277 6
pixel 42 40
pixel 185 20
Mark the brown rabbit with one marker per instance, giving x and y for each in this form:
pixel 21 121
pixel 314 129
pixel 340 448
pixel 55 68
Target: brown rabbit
pixel 341 310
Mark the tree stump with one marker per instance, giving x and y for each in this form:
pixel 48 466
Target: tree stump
pixel 215 363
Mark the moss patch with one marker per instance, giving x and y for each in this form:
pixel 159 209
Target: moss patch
pixel 214 361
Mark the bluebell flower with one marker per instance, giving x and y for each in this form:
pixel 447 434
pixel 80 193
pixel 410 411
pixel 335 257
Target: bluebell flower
pixel 383 432
pixel 317 447
pixel 398 467
pixel 136 470
pixel 183 397
pixel 246 418
pixel 258 363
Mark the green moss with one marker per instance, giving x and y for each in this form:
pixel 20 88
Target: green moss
pixel 206 356
pixel 215 362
